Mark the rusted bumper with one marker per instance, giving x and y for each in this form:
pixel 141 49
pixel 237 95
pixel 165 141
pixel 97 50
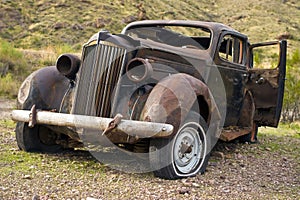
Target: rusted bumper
pixel 137 129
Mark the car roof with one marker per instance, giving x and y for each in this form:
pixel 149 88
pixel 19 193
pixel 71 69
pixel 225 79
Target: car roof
pixel 214 26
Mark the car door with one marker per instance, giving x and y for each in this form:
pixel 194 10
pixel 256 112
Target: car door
pixel 231 61
pixel 267 84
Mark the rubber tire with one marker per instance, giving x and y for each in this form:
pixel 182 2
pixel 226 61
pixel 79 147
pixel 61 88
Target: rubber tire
pixel 28 139
pixel 161 155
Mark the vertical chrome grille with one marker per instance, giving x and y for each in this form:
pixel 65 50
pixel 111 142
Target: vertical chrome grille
pixel 99 74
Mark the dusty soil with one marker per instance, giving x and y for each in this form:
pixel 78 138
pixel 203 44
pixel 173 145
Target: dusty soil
pixel 269 170
pixel 6 107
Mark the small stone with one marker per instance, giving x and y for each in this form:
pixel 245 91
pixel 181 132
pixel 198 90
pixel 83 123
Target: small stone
pixel 226 190
pixel 284 159
pixel 183 191
pixel 27 176
pixel 32 167
pixel 239 156
pixel 268 149
pixel 219 154
pixel 36 197
pixel 195 184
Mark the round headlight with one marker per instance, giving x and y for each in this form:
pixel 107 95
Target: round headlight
pixel 139 69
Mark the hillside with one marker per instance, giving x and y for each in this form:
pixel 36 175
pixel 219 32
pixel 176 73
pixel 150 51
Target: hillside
pixel 38 24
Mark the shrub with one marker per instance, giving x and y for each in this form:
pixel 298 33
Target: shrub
pixel 9 86
pixel 291 107
pixel 13 69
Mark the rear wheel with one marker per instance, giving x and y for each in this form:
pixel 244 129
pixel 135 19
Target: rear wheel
pixel 183 155
pixel 37 139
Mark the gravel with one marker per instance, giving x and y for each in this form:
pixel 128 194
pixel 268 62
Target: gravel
pixel 268 170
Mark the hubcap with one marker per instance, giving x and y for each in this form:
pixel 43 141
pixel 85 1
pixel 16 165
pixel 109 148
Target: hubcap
pixel 188 149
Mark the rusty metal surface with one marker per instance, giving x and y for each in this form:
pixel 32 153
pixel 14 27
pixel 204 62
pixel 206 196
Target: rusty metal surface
pixel 247 111
pixel 167 102
pixel 267 81
pixel 137 129
pixel 68 65
pixel 231 133
pixel 113 124
pixel 46 88
pixel 32 117
pixel 172 98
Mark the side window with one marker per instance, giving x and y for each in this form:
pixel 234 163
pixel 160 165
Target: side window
pixel 231 49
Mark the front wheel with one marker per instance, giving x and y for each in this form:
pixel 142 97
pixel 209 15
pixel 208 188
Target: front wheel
pixel 184 155
pixel 36 139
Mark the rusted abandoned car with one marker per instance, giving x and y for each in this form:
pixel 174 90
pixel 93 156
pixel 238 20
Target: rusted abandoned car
pixel 170 89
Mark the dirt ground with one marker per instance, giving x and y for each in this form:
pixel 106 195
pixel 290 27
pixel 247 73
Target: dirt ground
pixel 5 107
pixel 269 170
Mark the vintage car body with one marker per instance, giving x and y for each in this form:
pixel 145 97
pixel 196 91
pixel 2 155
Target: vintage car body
pixel 154 88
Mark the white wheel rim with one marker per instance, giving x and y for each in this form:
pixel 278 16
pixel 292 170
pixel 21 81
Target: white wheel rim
pixel 189 149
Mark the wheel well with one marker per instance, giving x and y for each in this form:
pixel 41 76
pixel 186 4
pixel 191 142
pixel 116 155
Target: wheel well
pixel 202 106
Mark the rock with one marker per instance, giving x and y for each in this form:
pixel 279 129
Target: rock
pixel 219 154
pixel 196 185
pixel 129 19
pixel 27 176
pixel 284 159
pixel 101 22
pixel 77 27
pixel 36 197
pixel 184 191
pixel 268 149
pixel 59 25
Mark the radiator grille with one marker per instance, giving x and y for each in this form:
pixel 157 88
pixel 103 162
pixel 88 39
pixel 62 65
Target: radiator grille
pixel 99 74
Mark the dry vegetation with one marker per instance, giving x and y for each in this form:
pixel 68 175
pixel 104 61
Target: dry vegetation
pixel 41 30
pixel 269 170
pixel 38 24
pixel 63 26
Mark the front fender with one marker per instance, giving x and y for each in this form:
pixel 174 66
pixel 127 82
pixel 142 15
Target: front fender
pixel 173 97
pixel 45 88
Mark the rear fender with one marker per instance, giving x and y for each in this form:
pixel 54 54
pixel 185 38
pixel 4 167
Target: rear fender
pixel 173 97
pixel 45 88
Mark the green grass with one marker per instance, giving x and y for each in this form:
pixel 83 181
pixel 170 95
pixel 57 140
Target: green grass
pixel 13 69
pixel 38 24
pixel 287 137
pixel 77 175
pixel 7 123
pixel 283 130
pixel 9 86
pixel 15 161
pixel 55 27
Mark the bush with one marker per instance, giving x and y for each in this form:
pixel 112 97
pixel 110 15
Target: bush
pixel 8 86
pixel 13 69
pixel 291 107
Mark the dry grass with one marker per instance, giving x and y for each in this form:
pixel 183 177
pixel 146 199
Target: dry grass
pixel 268 170
pixel 38 24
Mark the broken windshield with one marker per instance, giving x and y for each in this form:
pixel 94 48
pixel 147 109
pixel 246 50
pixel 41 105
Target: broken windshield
pixel 177 36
